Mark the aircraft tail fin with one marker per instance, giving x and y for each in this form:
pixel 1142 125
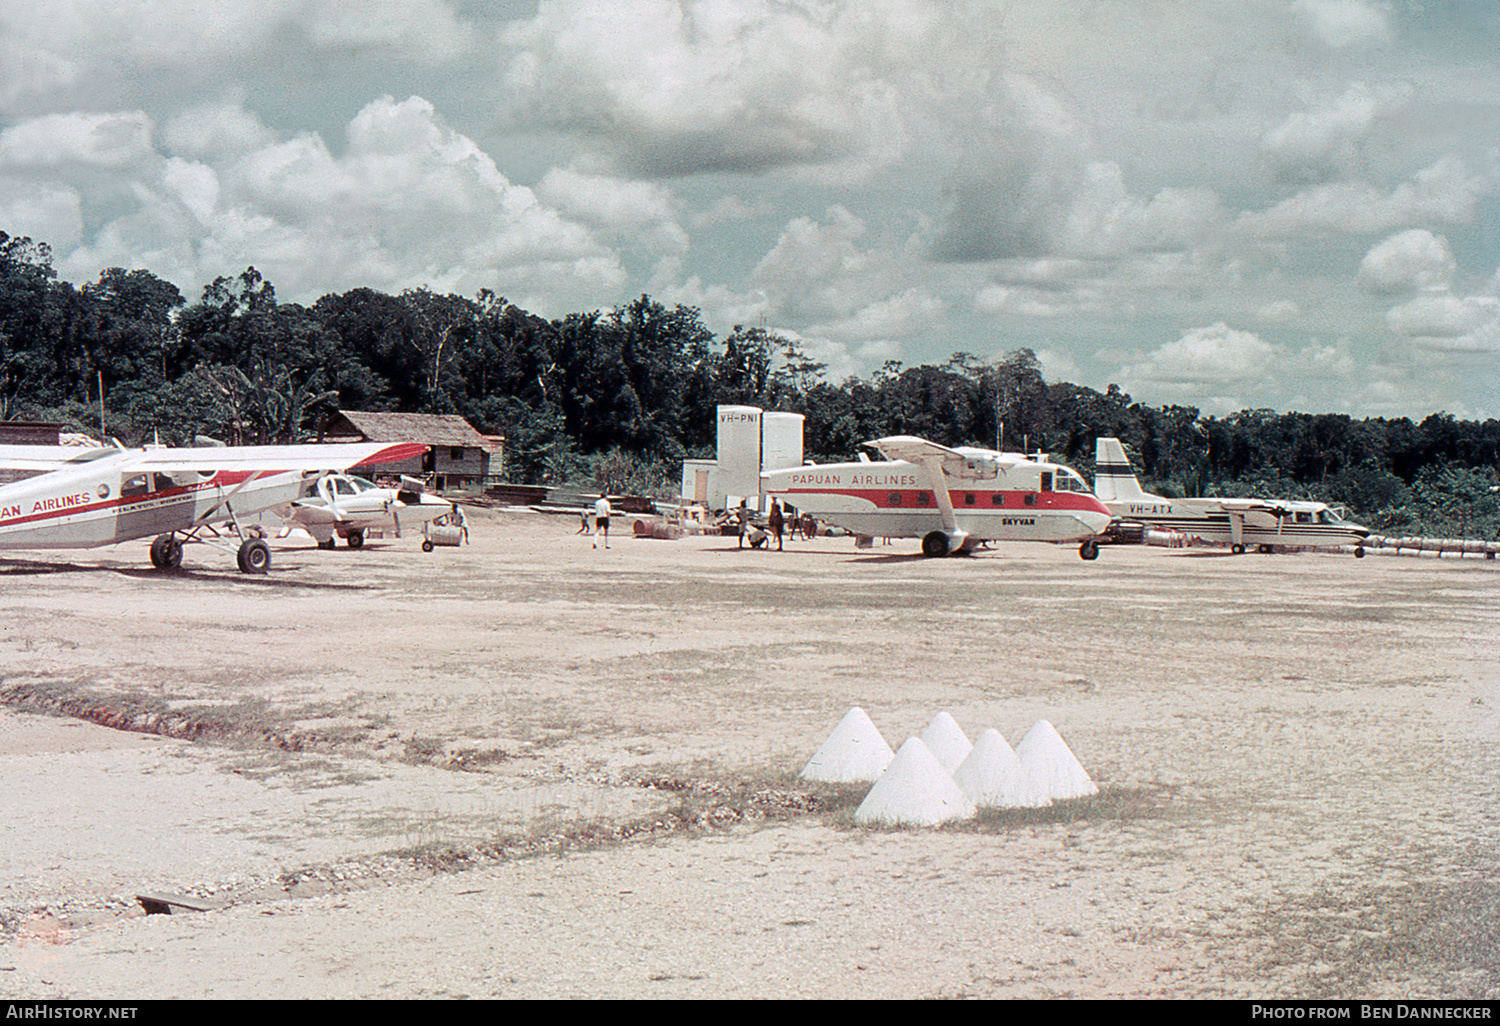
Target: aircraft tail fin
pixel 1114 479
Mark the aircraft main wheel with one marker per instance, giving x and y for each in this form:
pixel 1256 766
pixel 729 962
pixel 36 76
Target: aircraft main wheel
pixel 935 544
pixel 427 546
pixel 1238 550
pixel 1089 550
pixel 329 544
pixel 356 539
pixel 255 557
pixel 1264 550
pixel 173 552
pixel 159 551
pixel 1359 553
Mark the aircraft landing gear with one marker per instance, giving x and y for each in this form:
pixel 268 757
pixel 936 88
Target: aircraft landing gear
pixel 355 539
pixel 166 552
pixel 1089 550
pixel 1359 553
pixel 1238 550
pixel 1264 550
pixel 329 544
pixel 935 543
pixel 255 557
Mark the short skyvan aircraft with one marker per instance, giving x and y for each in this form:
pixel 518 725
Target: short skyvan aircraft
pixel 1238 523
pixel 950 498
pixel 84 498
pixel 338 504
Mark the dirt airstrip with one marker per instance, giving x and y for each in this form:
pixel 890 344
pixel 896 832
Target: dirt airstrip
pixel 529 768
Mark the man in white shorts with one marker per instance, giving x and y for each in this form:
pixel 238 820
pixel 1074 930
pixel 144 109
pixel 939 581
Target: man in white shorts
pixel 601 521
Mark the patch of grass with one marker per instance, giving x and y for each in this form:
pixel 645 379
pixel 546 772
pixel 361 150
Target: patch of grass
pixel 1440 938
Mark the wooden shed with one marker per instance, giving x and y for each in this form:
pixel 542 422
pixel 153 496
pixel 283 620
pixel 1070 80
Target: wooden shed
pixel 460 458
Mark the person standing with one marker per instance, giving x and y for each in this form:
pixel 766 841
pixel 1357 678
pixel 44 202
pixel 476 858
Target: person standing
pixel 776 521
pixel 601 521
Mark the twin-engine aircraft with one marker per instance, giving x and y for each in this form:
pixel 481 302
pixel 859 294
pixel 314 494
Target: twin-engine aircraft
pixel 84 498
pixel 1238 523
pixel 338 504
pixel 950 498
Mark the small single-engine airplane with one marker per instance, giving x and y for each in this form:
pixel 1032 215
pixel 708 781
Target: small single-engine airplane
pixel 950 498
pixel 1238 523
pixel 83 498
pixel 338 504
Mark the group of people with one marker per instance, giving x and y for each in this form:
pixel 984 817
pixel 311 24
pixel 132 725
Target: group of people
pixel 775 525
pixel 595 523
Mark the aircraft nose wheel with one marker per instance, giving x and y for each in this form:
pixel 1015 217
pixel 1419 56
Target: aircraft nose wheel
pixel 255 557
pixel 355 539
pixel 1088 550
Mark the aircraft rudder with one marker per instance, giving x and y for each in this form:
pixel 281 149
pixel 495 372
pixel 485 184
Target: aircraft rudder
pixel 1114 478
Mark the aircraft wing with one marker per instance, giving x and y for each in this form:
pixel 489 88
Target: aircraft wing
pixel 42 458
pixel 914 450
pixel 935 460
pixel 269 458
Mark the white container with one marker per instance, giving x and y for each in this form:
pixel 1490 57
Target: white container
pixel 739 452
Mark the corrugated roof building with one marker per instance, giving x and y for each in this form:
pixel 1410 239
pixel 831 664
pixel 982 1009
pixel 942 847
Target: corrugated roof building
pixel 459 458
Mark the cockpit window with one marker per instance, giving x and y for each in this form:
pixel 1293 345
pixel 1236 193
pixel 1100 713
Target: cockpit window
pixel 342 486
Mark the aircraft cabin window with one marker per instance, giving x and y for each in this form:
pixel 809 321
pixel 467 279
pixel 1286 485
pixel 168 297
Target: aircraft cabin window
pixel 968 498
pixel 1304 518
pixel 894 498
pixel 997 499
pixel 922 499
pixel 1031 498
pixel 137 485
pixel 1046 480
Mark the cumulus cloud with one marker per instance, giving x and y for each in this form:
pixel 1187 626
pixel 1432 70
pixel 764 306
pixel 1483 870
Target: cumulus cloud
pixel 1411 259
pixel 411 202
pixel 1445 321
pixel 110 141
pixel 1444 191
pixel 1220 369
pixel 643 211
pixel 1326 140
pixel 216 130
pixel 1104 220
pixel 712 86
pixel 1340 24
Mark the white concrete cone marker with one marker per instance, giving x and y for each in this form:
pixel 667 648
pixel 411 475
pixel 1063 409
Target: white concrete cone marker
pixel 947 741
pixel 914 790
pixel 1053 765
pixel 993 777
pixel 854 752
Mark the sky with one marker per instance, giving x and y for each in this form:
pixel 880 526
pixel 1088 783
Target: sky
pixel 1228 204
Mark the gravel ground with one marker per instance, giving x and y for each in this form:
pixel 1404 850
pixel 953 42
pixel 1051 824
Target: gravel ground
pixel 407 774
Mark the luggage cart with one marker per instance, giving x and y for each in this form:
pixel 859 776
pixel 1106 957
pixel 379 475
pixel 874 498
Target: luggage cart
pixel 447 530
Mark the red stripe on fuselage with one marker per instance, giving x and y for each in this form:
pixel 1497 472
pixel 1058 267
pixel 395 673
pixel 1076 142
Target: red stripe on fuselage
pixel 983 499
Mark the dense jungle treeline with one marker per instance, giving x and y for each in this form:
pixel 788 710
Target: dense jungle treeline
pixel 619 398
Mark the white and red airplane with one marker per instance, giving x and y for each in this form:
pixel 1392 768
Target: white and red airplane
pixel 84 498
pixel 1238 523
pixel 347 506
pixel 950 498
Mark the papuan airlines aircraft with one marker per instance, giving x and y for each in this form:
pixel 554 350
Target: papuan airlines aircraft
pixel 950 498
pixel 338 504
pixel 84 498
pixel 1238 523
